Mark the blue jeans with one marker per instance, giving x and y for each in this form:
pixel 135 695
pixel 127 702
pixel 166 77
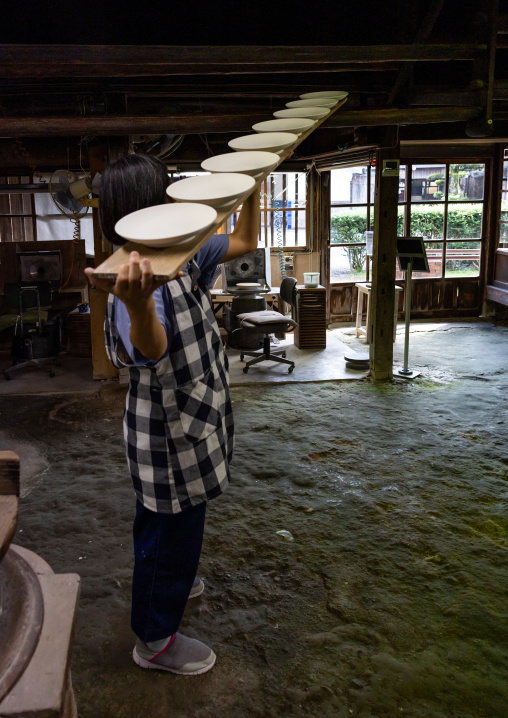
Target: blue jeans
pixel 166 556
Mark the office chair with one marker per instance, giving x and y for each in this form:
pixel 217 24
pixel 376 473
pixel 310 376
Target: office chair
pixel 270 322
pixel 36 338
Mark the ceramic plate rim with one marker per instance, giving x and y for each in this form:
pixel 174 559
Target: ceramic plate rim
pixel 274 160
pixel 266 135
pixel 332 94
pixel 322 112
pixel 222 199
pixel 308 102
pixel 167 209
pixel 295 130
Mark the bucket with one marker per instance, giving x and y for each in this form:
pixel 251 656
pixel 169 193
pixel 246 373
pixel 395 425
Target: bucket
pixel 311 279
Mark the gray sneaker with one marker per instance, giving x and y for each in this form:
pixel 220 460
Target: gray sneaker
pixel 197 588
pixel 184 655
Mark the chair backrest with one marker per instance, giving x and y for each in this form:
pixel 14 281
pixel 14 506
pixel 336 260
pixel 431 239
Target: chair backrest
pixel 23 296
pixel 288 290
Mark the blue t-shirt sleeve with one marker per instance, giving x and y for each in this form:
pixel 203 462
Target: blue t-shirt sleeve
pixel 207 259
pixel 123 325
pixel 210 255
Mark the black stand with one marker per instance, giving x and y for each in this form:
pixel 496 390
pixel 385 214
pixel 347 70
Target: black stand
pixel 411 255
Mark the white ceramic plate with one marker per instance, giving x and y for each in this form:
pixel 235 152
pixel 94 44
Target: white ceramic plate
pixel 165 224
pixel 290 124
pixel 316 102
pixel 248 285
pixel 217 190
pixel 336 94
pixel 271 141
pixel 249 163
pixel 312 113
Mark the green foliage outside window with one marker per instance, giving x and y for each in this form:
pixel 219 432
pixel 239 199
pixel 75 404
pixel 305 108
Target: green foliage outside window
pixel 464 222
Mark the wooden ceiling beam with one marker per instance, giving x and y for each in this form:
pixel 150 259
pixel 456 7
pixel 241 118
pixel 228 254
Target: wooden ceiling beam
pixel 142 60
pixel 202 123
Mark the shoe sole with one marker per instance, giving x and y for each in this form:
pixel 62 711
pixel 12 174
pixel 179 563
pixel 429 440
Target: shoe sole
pixel 157 667
pixel 195 594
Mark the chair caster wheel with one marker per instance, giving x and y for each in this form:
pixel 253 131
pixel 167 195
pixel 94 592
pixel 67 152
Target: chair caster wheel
pixel 245 369
pixel 290 369
pixel 7 376
pixel 241 357
pixel 52 374
pixel 283 354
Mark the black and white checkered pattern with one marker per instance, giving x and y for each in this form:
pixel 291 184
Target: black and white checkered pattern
pixel 178 423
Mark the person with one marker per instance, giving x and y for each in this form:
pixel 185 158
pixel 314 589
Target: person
pixel 178 424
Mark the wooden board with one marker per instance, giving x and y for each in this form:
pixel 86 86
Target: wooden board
pixel 167 262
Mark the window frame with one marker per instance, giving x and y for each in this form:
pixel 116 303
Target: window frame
pixel 19 233
pixel 407 203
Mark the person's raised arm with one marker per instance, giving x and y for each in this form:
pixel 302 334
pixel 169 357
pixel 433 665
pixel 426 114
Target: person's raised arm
pixel 135 286
pixel 244 238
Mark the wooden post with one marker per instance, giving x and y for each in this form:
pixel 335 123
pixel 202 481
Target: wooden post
pixel 323 244
pixel 383 262
pixel 102 367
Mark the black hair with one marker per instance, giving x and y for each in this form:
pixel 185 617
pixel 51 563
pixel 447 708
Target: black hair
pixel 128 184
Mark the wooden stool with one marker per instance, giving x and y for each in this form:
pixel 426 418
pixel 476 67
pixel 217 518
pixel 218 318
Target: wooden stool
pixel 364 291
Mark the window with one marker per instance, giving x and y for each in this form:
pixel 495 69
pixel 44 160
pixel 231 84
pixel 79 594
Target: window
pixel 503 219
pixel 26 217
pixel 440 201
pixel 352 214
pixel 444 204
pixel 283 207
pixel 17 212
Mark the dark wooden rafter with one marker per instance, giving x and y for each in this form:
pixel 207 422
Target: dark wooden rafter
pixel 200 123
pixel 18 61
pixel 422 35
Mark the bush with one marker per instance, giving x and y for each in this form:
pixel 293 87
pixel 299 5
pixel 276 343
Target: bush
pixel 464 222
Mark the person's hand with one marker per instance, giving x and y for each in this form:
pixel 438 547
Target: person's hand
pixel 134 284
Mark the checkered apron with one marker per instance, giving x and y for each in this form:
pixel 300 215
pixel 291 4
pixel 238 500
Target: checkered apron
pixel 178 423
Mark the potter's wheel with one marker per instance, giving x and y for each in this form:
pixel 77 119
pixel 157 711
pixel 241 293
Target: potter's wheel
pixel 21 616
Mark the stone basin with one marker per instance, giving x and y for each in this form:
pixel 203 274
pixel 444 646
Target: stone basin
pixel 21 617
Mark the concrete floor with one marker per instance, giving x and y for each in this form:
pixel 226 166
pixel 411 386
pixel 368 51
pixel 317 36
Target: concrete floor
pixel 356 564
pixel 75 374
pixel 311 365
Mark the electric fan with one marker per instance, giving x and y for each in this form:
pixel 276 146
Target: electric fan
pixel 71 196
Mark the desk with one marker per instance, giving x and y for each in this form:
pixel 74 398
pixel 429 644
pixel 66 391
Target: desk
pixel 272 299
pixel 364 291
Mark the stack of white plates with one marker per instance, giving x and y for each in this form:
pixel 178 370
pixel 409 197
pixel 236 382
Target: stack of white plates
pixel 270 141
pixel 165 225
pixel 295 125
pixel 337 94
pixel 312 113
pixel 250 162
pixel 216 190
